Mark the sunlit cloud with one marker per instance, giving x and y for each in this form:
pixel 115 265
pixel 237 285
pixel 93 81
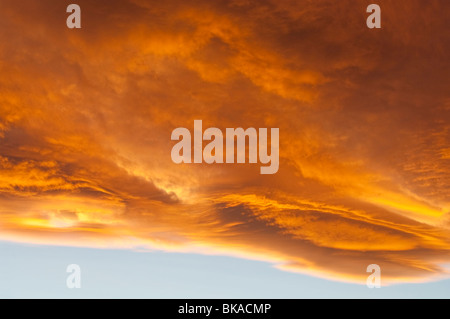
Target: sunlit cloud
pixel 364 116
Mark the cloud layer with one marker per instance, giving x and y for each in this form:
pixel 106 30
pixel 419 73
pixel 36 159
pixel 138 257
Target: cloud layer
pixel 364 115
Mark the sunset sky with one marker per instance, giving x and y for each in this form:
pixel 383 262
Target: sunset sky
pixel 86 117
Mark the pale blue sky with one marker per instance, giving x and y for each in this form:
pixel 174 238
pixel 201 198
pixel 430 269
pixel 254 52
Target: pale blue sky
pixel 31 271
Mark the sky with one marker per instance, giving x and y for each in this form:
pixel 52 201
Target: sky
pixel 86 117
pixel 39 271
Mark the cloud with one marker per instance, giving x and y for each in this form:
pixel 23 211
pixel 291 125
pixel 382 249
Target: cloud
pixel 86 117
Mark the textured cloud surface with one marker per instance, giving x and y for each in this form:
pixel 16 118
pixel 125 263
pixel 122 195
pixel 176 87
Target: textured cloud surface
pixel 86 117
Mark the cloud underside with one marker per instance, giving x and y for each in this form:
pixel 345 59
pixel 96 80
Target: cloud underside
pixel 364 116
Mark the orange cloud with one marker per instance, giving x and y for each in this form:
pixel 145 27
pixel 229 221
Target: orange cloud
pixel 86 117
